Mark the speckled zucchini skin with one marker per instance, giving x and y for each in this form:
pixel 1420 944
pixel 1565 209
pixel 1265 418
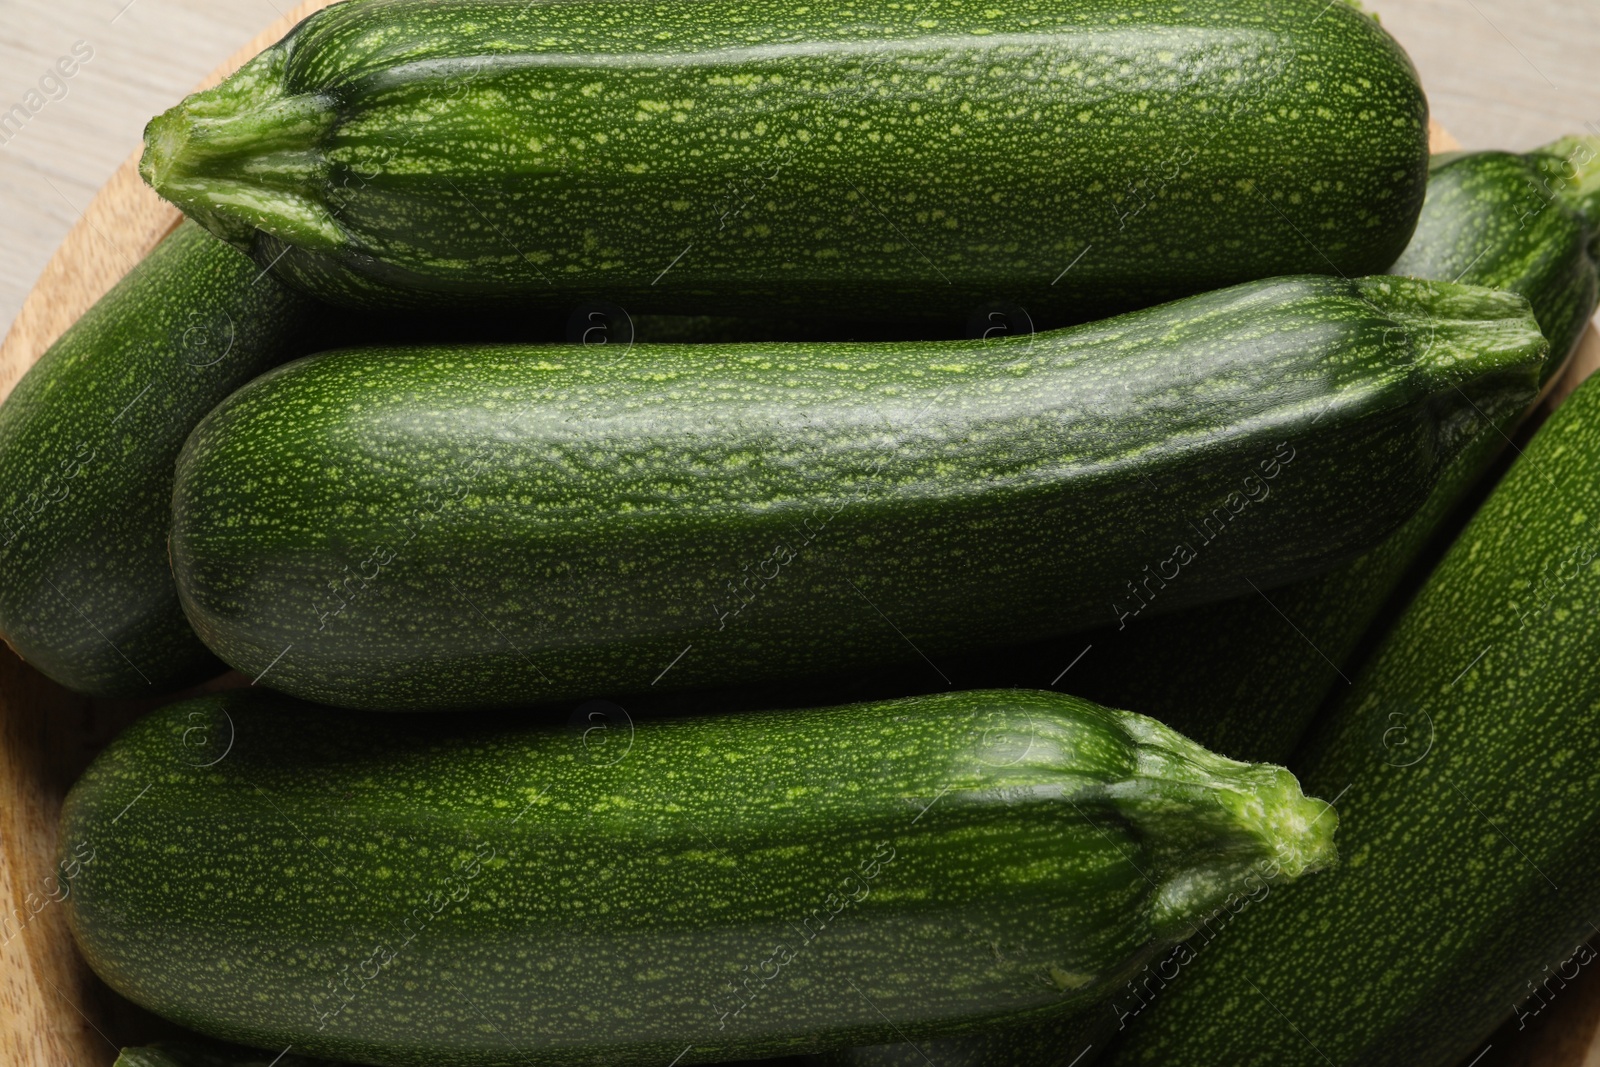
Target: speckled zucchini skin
pixel 435 528
pixel 1235 675
pixel 1239 677
pixel 87 443
pixel 1527 223
pixel 740 156
pixel 1473 731
pixel 417 891
pixel 218 1054
pixel 192 1054
pixel 1076 1038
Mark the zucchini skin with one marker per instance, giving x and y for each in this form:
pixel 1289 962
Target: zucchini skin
pixel 1237 677
pixel 704 157
pixel 1472 765
pixel 193 1054
pixel 1527 223
pixel 445 528
pixel 1072 1038
pixel 88 439
pixel 497 894
pixel 1234 675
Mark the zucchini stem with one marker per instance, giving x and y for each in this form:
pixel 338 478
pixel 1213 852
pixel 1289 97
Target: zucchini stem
pixel 249 125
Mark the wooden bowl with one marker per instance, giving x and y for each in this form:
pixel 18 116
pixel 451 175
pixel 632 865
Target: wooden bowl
pixel 53 1011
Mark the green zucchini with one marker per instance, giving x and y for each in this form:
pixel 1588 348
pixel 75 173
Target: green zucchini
pixel 1468 761
pixel 438 527
pixel 193 1054
pixel 739 156
pixel 1235 675
pixel 1072 1038
pixel 87 443
pixel 1527 223
pixel 412 890
pixel 1247 676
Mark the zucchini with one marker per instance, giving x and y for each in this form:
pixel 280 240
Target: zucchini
pixel 460 527
pixel 1247 676
pixel 87 443
pixel 192 1054
pixel 1469 767
pixel 216 1054
pixel 1527 223
pixel 699 888
pixel 742 156
pixel 1235 675
pixel 1068 1039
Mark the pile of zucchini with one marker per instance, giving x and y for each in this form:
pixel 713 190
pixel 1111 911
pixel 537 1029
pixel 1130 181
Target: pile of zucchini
pixel 755 604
